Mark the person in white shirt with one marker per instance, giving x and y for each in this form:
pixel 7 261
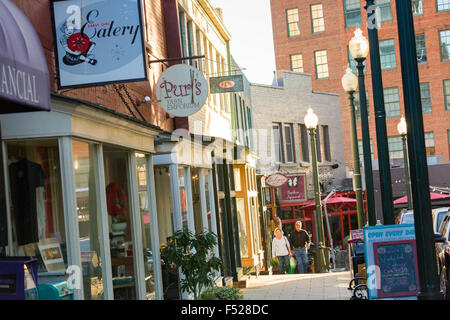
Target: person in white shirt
pixel 281 250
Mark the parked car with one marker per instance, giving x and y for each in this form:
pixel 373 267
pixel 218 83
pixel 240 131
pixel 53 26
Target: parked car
pixel 442 245
pixel 438 214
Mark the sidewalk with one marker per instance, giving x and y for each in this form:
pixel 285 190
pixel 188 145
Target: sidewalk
pixel 323 286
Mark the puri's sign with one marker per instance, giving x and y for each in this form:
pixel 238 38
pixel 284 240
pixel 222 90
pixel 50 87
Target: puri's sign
pixel 182 90
pixel 98 42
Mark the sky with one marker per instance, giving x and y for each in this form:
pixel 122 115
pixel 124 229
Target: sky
pixel 250 25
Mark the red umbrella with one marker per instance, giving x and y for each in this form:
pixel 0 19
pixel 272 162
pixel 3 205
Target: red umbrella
pixel 433 196
pixel 334 203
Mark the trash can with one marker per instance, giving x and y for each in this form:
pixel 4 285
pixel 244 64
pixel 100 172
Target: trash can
pixel 314 254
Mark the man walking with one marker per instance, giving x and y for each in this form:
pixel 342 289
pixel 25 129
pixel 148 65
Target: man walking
pixel 299 240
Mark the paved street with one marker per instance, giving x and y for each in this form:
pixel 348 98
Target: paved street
pixel 327 286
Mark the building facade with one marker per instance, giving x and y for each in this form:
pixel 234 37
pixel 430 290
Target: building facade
pixel 283 141
pixel 313 37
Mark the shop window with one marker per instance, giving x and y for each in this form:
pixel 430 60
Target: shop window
pixel 196 200
pixel 237 179
pixel 240 206
pixel 208 199
pixel 163 204
pixel 119 216
pixel 88 219
pixel 144 213
pixel 352 13
pixel 183 198
pixel 37 213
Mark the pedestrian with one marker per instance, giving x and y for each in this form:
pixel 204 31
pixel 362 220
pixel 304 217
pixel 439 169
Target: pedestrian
pixel 281 250
pixel 300 240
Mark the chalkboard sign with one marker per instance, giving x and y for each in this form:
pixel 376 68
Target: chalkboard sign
pixel 397 268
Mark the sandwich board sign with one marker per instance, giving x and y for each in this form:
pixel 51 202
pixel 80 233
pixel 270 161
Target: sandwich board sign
pixel 391 262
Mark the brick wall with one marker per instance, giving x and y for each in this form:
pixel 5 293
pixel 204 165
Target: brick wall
pixel 39 15
pixel 335 40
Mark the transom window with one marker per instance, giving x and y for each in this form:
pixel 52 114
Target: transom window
pixel 293 22
pixel 317 19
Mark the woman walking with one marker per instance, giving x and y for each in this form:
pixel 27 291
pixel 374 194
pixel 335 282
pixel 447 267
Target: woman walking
pixel 281 250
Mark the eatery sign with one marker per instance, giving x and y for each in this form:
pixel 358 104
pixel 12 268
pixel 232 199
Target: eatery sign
pixel 182 90
pixel 98 42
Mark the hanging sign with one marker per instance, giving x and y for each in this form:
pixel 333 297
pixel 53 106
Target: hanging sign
pixel 276 180
pixel 98 42
pixel 226 84
pixel 295 189
pixel 391 261
pixel 182 90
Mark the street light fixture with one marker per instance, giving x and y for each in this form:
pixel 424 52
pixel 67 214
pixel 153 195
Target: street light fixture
pixel 359 49
pixel 403 131
pixel 311 121
pixel 350 84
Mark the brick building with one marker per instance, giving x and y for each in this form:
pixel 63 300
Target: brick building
pixel 313 36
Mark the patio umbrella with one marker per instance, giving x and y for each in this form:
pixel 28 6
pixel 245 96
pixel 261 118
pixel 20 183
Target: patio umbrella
pixel 334 203
pixel 433 196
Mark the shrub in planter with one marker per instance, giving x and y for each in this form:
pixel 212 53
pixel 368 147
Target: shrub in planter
pixel 222 293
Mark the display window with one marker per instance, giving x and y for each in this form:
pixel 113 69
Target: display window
pixel 243 242
pixel 119 218
pixel 144 209
pixel 183 197
pixel 88 219
pixel 164 204
pixel 37 215
pixel 196 200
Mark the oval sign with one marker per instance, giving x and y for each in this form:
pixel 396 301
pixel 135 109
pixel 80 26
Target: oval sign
pixel 276 180
pixel 182 90
pixel 227 84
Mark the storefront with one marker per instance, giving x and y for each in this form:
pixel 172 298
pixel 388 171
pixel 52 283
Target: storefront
pixel 185 194
pixel 80 197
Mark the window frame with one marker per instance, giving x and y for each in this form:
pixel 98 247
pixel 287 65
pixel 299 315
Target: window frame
pixel 428 97
pixel 447 94
pixel 420 5
pixel 383 65
pixel 397 101
pixel 346 12
pixel 314 19
pixel 292 60
pixel 288 23
pixel 424 48
pixel 315 64
pixel 447 45
pixel 442 10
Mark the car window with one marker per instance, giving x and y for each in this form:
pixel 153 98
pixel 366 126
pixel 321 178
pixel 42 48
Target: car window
pixel 443 228
pixel 439 218
pixel 408 218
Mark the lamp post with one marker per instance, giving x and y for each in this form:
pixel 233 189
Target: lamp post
pixel 423 222
pixel 350 84
pixel 311 122
pixel 359 48
pixel 402 130
pixel 380 116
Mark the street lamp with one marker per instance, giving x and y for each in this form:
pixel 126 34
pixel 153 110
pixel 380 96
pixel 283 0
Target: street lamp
pixel 311 122
pixel 380 115
pixel 350 84
pixel 402 130
pixel 359 49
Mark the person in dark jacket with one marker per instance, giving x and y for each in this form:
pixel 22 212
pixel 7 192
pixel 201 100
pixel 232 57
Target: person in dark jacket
pixel 299 240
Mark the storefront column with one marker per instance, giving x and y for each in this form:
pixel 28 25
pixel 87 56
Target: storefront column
pixel 176 201
pixel 190 206
pixel 7 199
pixel 71 217
pixel 212 206
pixel 157 273
pixel 136 231
pixel 201 181
pixel 103 222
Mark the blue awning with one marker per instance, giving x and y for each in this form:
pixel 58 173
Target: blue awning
pixel 24 77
